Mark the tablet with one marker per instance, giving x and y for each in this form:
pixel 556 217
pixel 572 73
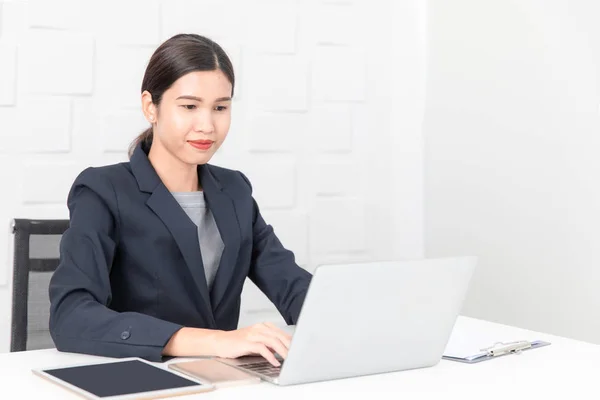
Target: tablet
pixel 129 378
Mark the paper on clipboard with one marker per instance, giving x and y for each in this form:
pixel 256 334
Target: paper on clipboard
pixel 469 343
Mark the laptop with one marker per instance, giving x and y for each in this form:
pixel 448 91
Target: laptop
pixel 370 318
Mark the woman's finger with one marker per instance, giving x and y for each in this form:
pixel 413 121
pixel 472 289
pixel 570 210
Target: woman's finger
pixel 259 348
pixel 273 343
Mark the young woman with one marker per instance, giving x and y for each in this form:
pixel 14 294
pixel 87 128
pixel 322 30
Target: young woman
pixel 158 248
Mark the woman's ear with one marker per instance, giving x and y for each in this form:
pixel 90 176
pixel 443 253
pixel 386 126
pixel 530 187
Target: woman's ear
pixel 148 107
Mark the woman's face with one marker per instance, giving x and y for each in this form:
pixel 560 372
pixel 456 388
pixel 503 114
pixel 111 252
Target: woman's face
pixel 193 117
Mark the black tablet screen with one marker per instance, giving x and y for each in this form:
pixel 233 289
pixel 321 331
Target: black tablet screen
pixel 120 378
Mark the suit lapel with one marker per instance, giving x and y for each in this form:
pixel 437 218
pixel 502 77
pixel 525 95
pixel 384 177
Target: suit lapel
pixel 220 203
pixel 183 230
pixel 185 233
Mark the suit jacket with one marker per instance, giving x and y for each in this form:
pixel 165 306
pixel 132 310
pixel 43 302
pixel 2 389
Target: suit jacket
pixel 131 274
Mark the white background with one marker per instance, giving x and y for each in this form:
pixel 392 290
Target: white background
pixel 513 157
pixel 370 130
pixel 327 119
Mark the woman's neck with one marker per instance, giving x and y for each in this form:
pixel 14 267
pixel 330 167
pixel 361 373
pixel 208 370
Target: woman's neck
pixel 176 175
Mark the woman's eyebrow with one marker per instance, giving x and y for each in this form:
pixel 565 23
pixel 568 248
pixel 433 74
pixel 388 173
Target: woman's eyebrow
pixel 186 97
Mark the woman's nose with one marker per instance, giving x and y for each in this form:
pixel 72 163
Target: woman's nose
pixel 204 123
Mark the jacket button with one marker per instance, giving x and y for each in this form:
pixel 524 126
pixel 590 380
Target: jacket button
pixel 125 335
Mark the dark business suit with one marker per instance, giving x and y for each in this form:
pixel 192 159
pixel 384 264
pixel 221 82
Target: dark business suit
pixel 131 272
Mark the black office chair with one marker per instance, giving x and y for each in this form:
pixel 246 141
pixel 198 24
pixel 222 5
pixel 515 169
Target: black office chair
pixel 36 256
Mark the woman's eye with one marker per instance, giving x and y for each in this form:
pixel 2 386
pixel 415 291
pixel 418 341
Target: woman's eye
pixel 221 108
pixel 189 106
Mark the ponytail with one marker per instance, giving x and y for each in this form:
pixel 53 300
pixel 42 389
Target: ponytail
pixel 145 139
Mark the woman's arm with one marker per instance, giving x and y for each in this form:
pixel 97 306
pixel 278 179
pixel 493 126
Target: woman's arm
pixel 274 269
pixel 80 291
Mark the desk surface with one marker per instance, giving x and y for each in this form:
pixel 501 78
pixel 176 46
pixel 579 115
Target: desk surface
pixel 567 367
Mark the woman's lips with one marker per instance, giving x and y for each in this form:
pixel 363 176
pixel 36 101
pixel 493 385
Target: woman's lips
pixel 201 144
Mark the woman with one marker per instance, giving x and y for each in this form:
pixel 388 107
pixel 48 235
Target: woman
pixel 158 248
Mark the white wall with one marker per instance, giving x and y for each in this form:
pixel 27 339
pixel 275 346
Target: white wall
pixel 314 122
pixel 512 157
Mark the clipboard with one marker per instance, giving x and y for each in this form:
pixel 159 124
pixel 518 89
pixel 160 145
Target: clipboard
pixel 498 349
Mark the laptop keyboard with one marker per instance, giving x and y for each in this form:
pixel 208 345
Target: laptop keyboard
pixel 264 368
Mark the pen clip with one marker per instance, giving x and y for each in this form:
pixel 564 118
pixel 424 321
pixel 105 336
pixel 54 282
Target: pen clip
pixel 501 348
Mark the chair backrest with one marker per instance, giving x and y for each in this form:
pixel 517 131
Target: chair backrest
pixel 36 256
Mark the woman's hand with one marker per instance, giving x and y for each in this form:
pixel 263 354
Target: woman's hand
pixel 260 339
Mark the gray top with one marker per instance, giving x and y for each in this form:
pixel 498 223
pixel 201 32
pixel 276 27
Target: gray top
pixel 211 244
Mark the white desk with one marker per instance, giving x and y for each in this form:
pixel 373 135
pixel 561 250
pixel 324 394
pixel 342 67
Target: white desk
pixel 566 368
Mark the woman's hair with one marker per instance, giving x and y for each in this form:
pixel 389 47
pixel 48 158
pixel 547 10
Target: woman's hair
pixel 177 56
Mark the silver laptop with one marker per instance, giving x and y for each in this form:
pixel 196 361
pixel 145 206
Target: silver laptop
pixel 370 318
